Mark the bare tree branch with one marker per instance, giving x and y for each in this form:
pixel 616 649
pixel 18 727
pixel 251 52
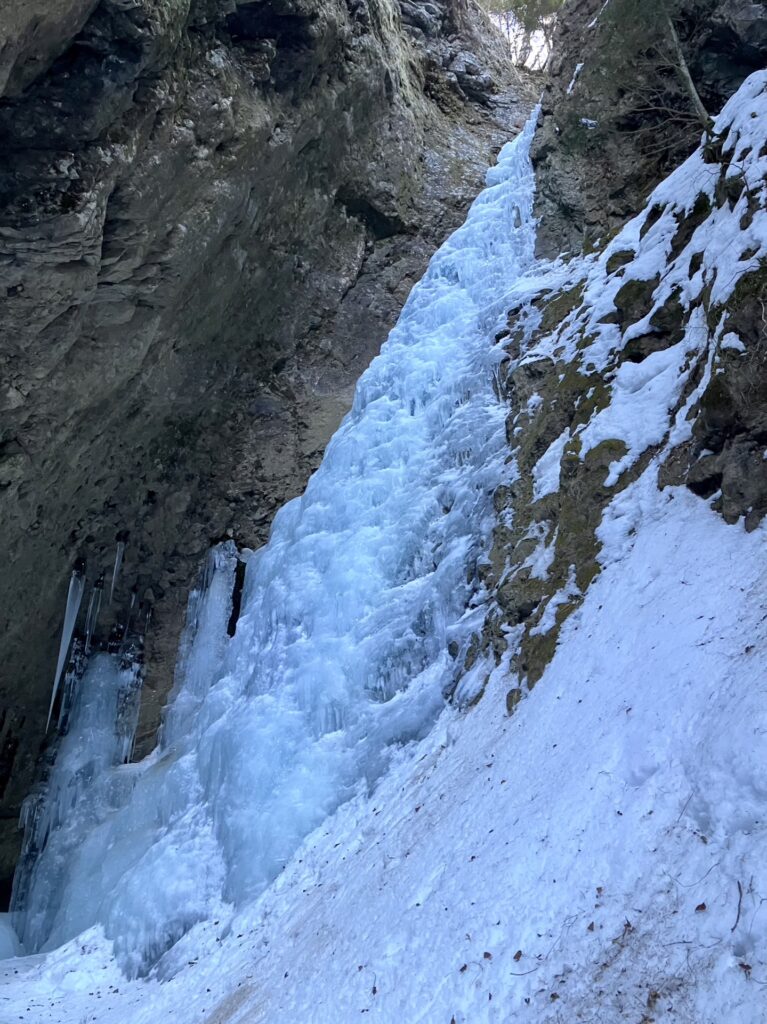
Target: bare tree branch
pixel 683 70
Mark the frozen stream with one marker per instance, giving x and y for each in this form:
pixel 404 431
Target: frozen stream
pixel 355 617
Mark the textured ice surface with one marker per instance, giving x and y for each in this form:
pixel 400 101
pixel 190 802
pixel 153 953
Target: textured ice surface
pixel 9 940
pixel 355 618
pixel 86 782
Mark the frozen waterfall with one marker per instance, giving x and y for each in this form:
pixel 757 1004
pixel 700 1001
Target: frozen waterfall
pixel 356 617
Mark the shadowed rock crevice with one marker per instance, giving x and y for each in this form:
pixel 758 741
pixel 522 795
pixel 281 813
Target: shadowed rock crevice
pixel 377 223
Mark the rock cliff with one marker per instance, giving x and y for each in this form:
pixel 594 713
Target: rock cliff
pixel 615 120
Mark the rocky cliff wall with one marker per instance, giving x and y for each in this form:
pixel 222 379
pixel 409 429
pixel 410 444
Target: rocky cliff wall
pixel 615 119
pixel 212 212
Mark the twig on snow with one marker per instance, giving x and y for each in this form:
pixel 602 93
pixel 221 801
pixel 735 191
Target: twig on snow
pixel 689 798
pixel 740 904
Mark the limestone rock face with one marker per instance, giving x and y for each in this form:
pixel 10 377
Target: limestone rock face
pixel 34 32
pixel 611 129
pixel 211 213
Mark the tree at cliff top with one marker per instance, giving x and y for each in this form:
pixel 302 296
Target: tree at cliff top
pixel 529 27
pixel 665 103
pixel 635 106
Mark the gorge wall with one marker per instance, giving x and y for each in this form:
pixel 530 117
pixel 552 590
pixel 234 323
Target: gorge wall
pixel 212 212
pixel 580 832
pixel 615 119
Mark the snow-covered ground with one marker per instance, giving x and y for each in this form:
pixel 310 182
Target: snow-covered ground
pixel 600 855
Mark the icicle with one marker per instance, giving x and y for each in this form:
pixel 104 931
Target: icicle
pixel 94 606
pixel 121 538
pixel 78 659
pixel 79 788
pixel 128 698
pixel 67 697
pixel 128 617
pixel 74 597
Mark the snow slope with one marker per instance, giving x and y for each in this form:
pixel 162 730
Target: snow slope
pixel 627 790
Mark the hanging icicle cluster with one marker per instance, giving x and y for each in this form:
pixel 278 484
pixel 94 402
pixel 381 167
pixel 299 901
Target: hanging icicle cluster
pixel 90 775
pixel 74 599
pixel 97 686
pixel 125 640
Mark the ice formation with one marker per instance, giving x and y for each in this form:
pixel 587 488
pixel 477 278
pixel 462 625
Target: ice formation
pixel 119 554
pixel 356 618
pixel 74 598
pixel 80 790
